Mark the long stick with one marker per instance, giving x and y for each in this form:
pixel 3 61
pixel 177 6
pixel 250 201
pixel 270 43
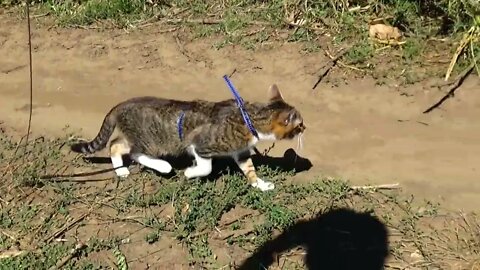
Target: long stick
pixel 384 186
pixel 455 85
pixel 31 76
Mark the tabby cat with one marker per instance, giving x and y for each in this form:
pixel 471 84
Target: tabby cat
pixel 151 127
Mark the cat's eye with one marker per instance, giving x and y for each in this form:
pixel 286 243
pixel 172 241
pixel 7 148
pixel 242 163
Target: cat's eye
pixel 290 118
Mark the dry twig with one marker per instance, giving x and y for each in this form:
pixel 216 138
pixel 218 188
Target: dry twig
pixel 333 61
pixel 68 226
pixel 73 252
pixel 342 63
pixel 453 87
pixel 384 186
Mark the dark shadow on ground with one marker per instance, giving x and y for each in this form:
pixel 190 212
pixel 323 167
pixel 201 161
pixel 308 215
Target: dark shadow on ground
pixel 340 239
pixel 290 161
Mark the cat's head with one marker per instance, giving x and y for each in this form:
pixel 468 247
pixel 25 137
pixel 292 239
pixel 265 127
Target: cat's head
pixel 286 122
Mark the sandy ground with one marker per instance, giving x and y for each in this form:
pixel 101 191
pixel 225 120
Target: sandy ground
pixel 359 131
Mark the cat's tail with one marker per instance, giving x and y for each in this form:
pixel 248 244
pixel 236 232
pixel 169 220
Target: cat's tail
pixel 102 138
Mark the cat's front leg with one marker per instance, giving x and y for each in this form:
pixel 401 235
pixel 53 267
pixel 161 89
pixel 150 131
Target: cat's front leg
pixel 248 169
pixel 201 169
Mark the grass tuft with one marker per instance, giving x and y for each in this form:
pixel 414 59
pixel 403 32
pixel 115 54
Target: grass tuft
pixel 255 23
pixel 201 215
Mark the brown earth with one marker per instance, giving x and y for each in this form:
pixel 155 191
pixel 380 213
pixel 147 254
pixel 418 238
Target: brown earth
pixel 357 131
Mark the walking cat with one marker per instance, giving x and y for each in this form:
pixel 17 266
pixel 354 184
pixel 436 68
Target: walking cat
pixel 151 127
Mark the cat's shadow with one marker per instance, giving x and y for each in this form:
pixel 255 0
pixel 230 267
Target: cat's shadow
pixel 290 161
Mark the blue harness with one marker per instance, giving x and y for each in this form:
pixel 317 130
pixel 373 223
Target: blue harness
pixel 240 104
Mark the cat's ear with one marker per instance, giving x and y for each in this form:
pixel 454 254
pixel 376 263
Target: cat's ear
pixel 274 93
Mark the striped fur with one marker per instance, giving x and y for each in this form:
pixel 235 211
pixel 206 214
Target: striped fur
pixel 101 140
pixel 148 130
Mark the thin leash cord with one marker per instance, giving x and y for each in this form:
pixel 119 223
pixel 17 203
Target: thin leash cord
pixel 241 106
pixel 180 125
pixel 31 74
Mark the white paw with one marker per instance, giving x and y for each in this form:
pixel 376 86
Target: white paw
pixel 191 172
pixel 164 167
pixel 263 185
pixel 122 172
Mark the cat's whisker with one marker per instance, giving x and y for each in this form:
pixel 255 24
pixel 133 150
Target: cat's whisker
pixel 300 142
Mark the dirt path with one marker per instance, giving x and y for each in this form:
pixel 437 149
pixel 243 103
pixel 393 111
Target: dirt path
pixel 353 132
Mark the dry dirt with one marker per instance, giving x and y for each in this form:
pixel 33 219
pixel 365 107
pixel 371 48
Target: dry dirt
pixel 357 131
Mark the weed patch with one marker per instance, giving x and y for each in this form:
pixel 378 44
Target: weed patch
pixel 426 25
pixel 42 220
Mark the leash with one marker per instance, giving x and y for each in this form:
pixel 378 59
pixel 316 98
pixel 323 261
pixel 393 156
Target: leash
pixel 180 125
pixel 241 106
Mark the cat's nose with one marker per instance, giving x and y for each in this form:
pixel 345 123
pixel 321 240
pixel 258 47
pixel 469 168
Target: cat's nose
pixel 302 127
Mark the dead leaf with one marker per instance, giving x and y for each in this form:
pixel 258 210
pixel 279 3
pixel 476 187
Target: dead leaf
pixel 11 253
pixel 185 208
pixel 384 32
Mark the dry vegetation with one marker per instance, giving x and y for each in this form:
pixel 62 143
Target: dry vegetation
pixel 113 223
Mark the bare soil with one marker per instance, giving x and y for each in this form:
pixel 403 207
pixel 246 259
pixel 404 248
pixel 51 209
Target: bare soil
pixel 357 130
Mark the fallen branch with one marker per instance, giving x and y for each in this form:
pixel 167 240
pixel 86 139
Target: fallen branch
pixel 384 186
pixel 389 42
pixel 342 63
pixel 333 61
pixel 235 234
pixel 13 69
pixel 227 223
pixel 66 227
pixel 73 252
pixel 211 21
pixel 70 225
pixel 453 87
pixel 65 177
pixel 193 21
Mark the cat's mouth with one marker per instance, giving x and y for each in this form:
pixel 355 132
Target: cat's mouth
pixel 297 131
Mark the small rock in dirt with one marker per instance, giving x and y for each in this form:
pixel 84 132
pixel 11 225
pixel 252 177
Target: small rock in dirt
pixel 416 256
pixel 384 32
pixel 201 64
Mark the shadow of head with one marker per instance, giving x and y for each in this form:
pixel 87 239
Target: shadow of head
pixel 339 239
pixel 290 161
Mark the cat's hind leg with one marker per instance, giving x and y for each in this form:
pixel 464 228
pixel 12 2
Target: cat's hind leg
pixel 118 148
pixel 156 164
pixel 202 168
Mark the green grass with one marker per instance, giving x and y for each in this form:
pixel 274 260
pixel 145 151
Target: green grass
pixel 193 213
pixel 253 23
